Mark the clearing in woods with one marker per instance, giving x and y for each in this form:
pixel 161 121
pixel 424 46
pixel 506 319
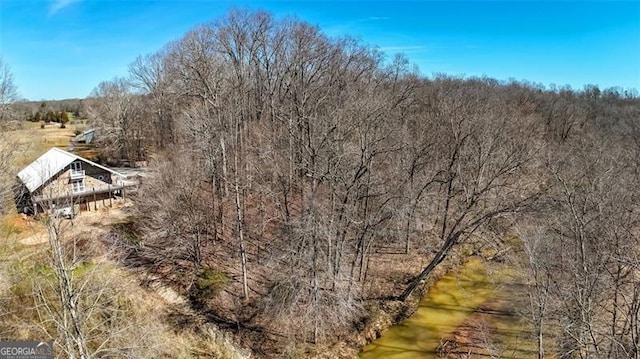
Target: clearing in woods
pixel 36 141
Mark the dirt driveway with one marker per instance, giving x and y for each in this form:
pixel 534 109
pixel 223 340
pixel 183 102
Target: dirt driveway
pixel 85 222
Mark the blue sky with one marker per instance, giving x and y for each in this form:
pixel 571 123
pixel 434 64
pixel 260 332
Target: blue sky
pixel 63 48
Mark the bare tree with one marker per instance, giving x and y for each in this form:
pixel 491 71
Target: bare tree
pixel 8 90
pixel 9 149
pixel 117 113
pixel 174 215
pixel 153 76
pixel 70 321
pixel 479 175
pixel 593 225
pixel 538 249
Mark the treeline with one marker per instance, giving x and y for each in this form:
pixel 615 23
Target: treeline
pixel 300 176
pixel 48 111
pixel 50 116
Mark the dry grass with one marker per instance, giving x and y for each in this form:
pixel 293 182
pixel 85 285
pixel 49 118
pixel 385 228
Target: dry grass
pixel 145 319
pixel 13 224
pixel 36 140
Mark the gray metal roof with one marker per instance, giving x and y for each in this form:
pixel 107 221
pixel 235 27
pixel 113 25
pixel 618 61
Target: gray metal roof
pixel 50 164
pixel 84 133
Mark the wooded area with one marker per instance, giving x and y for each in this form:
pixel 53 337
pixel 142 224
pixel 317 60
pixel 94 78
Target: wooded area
pixel 298 157
pixel 301 177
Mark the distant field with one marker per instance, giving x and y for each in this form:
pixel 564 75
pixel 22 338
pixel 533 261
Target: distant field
pixel 35 140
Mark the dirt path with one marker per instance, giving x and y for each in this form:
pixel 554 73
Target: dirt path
pixel 95 222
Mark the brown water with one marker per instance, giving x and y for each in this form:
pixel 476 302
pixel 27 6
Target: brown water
pixel 449 304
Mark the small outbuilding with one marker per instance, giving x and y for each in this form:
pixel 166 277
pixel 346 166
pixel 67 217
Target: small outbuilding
pixel 85 136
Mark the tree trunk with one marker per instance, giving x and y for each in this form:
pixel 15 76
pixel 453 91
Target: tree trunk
pixel 243 250
pixel 239 216
pixel 225 174
pixel 73 330
pixel 439 257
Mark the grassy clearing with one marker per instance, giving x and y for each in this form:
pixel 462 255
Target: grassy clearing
pixel 35 140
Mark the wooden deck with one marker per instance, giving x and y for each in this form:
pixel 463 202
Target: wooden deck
pixel 84 194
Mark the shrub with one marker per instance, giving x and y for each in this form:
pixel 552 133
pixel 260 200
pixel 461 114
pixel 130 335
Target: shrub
pixel 12 125
pixel 208 284
pixel 102 158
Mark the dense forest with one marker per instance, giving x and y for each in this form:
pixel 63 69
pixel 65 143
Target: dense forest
pixel 301 180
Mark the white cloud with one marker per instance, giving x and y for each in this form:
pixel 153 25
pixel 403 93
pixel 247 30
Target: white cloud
pixel 58 5
pixel 402 48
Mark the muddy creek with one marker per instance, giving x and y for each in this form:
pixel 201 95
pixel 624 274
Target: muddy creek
pixel 467 313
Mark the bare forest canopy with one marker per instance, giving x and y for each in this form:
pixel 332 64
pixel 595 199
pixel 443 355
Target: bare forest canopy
pixel 302 177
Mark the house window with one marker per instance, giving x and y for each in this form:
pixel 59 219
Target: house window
pixel 76 166
pixel 78 186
